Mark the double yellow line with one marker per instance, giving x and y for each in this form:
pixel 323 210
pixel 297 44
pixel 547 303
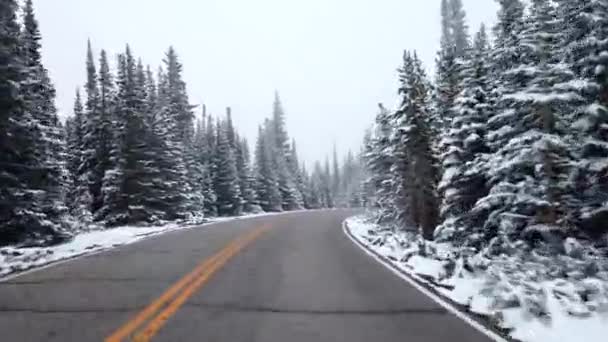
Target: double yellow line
pixel 175 296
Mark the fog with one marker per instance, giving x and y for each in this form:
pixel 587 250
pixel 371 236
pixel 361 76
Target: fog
pixel 332 61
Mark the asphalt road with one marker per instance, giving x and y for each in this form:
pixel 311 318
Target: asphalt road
pixel 300 280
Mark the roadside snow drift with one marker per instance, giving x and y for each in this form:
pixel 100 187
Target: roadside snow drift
pixel 534 298
pixel 15 260
pixel 19 259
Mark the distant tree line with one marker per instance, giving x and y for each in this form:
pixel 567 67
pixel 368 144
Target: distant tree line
pixel 134 151
pixel 510 141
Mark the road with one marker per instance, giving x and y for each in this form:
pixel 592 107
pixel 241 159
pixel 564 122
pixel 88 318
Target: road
pixel 293 277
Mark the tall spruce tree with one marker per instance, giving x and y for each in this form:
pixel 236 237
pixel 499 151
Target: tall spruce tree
pixel 79 197
pixel 292 199
pixel 229 201
pixel 210 206
pixel 452 54
pixel 585 26
pixel 415 168
pixel 463 163
pixel 267 189
pixel 326 186
pixel 179 107
pixel 246 178
pixel 528 172
pixel 23 171
pixel 39 100
pixel 336 188
pixel 379 160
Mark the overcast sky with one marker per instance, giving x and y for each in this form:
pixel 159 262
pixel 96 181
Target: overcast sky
pixel 332 61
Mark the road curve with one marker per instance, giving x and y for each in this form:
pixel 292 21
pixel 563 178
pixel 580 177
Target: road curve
pixel 299 280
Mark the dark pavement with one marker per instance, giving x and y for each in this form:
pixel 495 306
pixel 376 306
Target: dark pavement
pixel 303 280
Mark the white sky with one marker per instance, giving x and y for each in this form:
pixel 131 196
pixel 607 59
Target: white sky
pixel 331 60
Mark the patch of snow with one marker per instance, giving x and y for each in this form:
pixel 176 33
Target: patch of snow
pixel 521 293
pixel 16 260
pixel 20 259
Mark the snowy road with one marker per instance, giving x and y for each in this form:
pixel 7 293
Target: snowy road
pixel 293 277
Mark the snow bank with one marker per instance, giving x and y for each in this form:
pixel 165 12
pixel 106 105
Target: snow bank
pixel 534 298
pixel 14 260
pixel 19 259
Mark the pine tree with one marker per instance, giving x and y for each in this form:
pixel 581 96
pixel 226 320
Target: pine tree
pixel 79 197
pixel 268 192
pixel 179 107
pixel 317 200
pixel 229 201
pixel 24 171
pixel 292 199
pixel 585 26
pixel 239 158
pixel 414 170
pixel 464 175
pixel 39 99
pixel 299 174
pixel 379 161
pixel 336 188
pixel 122 201
pixel 152 179
pixel 304 185
pixel 246 178
pixel 179 117
pixel 103 101
pixel 210 206
pixel 459 29
pixel 529 168
pixel 453 52
pixel 90 167
pixel 326 185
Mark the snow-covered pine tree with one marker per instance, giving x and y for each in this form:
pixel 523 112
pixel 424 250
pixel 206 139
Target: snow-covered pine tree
pixel 326 185
pixel 152 178
pixel 351 181
pixel 304 182
pixel 234 141
pixel 143 176
pixel 169 154
pixel 463 162
pixel 453 52
pixel 180 108
pixel 103 117
pixel 203 157
pixel 79 197
pixel 528 171
pixel 585 48
pixel 336 188
pixel 297 172
pixel 316 192
pixel 39 100
pixel 414 170
pixel 368 182
pixel 267 189
pixel 379 160
pixel 292 199
pixel 246 178
pixel 229 201
pixel 210 206
pixel 22 214
pixel 124 191
pixel 459 29
pixel 91 168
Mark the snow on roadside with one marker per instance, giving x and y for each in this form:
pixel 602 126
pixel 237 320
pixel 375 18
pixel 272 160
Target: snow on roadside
pixel 20 259
pixel 15 260
pixel 518 294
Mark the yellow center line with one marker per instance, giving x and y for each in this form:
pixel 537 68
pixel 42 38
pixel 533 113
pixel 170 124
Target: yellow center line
pixel 161 319
pixel 199 271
